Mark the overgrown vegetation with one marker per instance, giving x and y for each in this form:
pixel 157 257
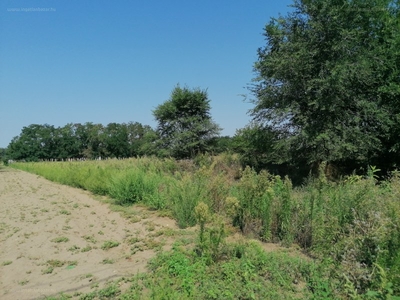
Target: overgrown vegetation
pixel 327 88
pixel 351 228
pixel 327 104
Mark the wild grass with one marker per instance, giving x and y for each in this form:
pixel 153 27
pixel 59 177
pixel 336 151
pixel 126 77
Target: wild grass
pixel 61 239
pixel 109 244
pixel 351 228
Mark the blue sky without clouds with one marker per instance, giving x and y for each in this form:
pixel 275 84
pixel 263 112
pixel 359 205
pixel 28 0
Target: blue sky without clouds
pixel 115 61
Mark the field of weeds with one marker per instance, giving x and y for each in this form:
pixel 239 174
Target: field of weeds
pixel 349 230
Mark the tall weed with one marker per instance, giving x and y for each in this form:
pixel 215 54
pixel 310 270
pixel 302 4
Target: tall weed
pixel 255 194
pixel 184 195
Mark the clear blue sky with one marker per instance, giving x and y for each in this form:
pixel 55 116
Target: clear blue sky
pixel 74 61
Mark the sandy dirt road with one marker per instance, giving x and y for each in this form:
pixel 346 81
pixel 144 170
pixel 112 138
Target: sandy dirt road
pixel 53 238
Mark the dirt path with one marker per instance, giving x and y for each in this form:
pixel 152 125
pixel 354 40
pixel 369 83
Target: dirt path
pixel 53 238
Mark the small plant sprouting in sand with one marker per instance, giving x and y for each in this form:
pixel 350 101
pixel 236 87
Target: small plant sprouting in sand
pixel 23 282
pixel 150 226
pixel 74 248
pixel 6 263
pixel 72 263
pixel 86 276
pixel 109 244
pixel 86 249
pixel 49 270
pixel 90 239
pixel 61 239
pixel 133 240
pixel 107 261
pixel 55 263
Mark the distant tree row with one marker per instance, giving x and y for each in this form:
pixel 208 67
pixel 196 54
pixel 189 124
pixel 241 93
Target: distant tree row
pixel 42 142
pixel 185 129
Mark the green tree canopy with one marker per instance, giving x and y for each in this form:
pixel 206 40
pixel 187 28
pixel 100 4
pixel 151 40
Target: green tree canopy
pixel 89 140
pixel 35 142
pixel 329 81
pixel 184 122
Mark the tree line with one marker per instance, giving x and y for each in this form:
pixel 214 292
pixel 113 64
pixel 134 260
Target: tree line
pixel 326 90
pixel 88 140
pixel 185 128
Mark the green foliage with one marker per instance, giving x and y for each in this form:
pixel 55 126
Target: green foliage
pixel 259 146
pixel 109 292
pixel 35 142
pixel 222 144
pixel 352 225
pixel 202 215
pixel 6 263
pixel 184 125
pixel 246 272
pixel 328 85
pixel 61 239
pixel 3 156
pixel 45 142
pixel 109 244
pixel 185 195
pixel 131 186
pixel 254 208
pixel 211 238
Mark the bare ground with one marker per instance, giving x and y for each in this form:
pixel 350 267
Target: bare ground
pixel 53 238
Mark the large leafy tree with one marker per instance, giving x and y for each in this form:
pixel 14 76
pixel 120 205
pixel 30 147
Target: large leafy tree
pixel 94 140
pixel 255 145
pixel 116 140
pixel 328 81
pixel 141 139
pixel 66 142
pixel 35 142
pixel 184 122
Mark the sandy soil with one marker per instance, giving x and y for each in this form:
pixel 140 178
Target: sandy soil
pixel 51 238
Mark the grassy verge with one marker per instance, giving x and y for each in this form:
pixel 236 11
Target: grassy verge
pixel 245 272
pixel 351 227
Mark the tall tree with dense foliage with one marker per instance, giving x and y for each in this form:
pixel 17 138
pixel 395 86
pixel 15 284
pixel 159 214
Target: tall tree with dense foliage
pixel 184 122
pixel 66 142
pixel 116 140
pixel 328 82
pixel 141 139
pixel 34 143
pixel 255 145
